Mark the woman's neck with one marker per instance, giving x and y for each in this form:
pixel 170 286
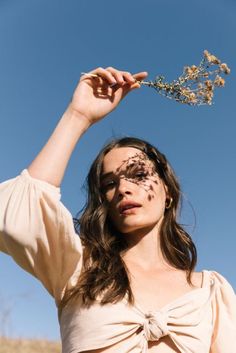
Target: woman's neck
pixel 144 249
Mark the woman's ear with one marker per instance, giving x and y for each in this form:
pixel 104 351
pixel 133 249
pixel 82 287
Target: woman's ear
pixel 169 199
pixel 166 190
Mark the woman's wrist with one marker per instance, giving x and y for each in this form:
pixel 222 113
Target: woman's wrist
pixel 76 118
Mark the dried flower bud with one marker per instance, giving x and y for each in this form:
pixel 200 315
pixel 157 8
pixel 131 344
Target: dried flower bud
pixel 219 81
pixel 187 70
pixel 194 68
pixel 209 84
pixel 224 67
pixel 214 60
pixel 206 54
pixel 208 97
pixel 211 58
pixel 185 91
pixel 192 97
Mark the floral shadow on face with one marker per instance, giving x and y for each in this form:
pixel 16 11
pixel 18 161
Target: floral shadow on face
pixel 138 169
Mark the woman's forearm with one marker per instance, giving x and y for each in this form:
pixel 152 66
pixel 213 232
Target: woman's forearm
pixel 51 162
pixel 92 100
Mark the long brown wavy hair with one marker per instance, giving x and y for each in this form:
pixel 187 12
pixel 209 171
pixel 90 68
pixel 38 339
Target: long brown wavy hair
pixel 104 273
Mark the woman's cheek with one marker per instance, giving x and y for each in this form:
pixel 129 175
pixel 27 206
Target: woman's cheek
pixel 109 196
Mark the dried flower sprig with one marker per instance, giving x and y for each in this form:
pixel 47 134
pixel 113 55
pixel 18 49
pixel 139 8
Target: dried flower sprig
pixel 196 84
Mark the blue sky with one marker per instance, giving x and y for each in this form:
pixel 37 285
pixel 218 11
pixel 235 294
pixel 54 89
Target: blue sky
pixel 45 45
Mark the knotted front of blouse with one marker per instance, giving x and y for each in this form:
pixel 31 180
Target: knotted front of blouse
pixel 155 325
pixel 186 320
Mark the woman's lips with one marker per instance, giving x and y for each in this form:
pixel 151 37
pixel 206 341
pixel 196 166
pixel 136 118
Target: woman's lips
pixel 127 205
pixel 129 211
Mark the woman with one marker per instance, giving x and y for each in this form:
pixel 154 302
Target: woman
pixel 127 284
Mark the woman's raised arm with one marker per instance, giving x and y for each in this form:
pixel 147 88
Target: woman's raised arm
pixel 96 95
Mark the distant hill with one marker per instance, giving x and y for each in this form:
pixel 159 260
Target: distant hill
pixel 10 345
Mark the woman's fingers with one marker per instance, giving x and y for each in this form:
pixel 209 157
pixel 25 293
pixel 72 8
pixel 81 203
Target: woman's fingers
pixel 116 77
pixel 101 73
pixel 122 77
pixel 117 74
pixel 140 75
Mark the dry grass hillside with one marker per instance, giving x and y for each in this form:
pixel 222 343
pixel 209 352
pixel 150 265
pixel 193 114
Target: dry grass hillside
pixel 8 345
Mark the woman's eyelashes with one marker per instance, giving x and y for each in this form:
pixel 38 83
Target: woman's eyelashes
pixel 141 175
pixel 108 185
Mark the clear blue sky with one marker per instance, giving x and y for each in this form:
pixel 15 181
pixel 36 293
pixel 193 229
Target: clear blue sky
pixel 44 45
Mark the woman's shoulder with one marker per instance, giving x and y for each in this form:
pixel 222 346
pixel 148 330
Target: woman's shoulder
pixel 208 277
pixel 218 278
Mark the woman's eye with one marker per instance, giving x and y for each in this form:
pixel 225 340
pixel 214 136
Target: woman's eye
pixel 108 185
pixel 141 175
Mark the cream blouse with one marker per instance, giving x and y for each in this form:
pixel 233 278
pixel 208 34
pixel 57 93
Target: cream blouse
pixel 37 231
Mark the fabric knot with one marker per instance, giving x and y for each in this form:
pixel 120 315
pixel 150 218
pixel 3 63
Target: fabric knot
pixel 155 326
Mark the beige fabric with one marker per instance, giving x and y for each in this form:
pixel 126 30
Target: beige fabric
pixel 37 231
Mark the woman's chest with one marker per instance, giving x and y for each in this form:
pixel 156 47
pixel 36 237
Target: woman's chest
pixel 153 290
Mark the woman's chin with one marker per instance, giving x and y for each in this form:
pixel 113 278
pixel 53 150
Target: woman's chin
pixel 137 229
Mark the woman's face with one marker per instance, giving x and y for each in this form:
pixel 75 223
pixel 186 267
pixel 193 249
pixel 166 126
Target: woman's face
pixel 134 193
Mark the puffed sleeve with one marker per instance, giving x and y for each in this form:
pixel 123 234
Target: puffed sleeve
pixel 224 316
pixel 37 230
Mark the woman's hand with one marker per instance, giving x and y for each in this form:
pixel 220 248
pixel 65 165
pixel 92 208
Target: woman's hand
pixel 98 94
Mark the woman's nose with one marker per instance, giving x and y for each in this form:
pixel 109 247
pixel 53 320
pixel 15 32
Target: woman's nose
pixel 124 187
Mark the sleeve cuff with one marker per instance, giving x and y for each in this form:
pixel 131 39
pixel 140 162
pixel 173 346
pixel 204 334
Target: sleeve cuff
pixel 41 183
